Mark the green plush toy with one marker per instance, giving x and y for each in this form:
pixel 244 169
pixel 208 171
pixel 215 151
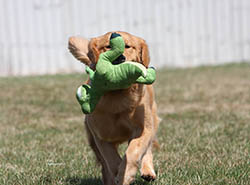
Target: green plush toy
pixel 108 76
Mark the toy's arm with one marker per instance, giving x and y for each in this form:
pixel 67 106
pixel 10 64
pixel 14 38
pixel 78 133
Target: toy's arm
pixel 90 72
pixel 150 77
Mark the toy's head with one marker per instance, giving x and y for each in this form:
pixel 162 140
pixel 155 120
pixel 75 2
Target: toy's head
pixel 88 52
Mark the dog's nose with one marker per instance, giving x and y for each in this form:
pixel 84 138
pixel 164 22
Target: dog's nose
pixel 114 35
pixel 119 60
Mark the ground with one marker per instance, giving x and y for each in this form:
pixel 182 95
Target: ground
pixel 204 134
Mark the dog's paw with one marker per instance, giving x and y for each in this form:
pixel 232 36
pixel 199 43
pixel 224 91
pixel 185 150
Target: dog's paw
pixel 148 177
pixel 148 173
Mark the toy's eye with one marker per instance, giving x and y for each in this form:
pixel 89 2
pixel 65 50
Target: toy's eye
pixel 127 46
pixel 108 47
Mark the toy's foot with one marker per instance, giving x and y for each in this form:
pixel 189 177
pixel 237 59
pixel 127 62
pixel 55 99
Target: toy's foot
pixel 83 98
pixel 149 78
pixel 81 93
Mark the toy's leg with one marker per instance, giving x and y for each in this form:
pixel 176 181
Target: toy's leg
pixel 87 98
pixel 117 48
pixel 147 168
pixel 83 97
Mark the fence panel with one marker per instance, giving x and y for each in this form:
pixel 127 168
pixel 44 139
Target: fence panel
pixel 180 33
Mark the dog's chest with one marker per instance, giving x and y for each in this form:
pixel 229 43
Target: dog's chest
pixel 113 117
pixel 111 127
pixel 121 101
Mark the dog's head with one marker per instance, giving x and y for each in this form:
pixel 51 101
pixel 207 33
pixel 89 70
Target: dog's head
pixel 88 52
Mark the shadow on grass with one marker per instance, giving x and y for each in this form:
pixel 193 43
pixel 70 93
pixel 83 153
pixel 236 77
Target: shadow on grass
pixel 140 182
pixel 82 181
pixel 96 181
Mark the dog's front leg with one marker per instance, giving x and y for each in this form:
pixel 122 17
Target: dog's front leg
pixel 133 156
pixel 147 167
pixel 111 161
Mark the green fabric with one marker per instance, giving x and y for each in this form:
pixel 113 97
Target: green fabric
pixel 108 77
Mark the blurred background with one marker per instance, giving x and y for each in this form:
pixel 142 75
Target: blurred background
pixel 180 33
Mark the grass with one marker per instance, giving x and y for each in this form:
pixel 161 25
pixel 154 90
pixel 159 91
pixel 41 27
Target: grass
pixel 204 134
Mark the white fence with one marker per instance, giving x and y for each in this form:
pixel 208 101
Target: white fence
pixel 180 33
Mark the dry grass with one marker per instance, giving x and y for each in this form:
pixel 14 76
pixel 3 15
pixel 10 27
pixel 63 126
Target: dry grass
pixel 204 134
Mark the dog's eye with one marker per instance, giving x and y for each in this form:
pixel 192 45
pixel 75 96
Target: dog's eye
pixel 127 46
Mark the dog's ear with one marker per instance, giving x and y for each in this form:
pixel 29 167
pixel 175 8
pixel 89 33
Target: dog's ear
pixel 145 59
pixel 79 48
pixel 93 50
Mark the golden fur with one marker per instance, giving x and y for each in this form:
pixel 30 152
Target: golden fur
pixel 123 115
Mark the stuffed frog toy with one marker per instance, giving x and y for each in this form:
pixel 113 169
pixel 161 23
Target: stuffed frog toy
pixel 109 76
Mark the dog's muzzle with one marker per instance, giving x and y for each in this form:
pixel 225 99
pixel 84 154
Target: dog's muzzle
pixel 119 60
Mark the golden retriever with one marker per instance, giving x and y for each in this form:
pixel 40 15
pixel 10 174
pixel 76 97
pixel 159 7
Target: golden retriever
pixel 122 115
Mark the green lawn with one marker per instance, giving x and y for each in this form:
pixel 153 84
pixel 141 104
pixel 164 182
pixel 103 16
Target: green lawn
pixel 204 134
